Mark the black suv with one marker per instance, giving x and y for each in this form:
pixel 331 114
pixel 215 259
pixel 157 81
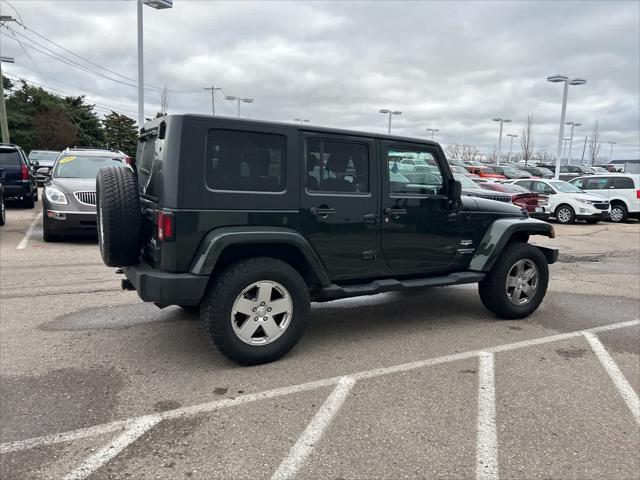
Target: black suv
pixel 19 179
pixel 250 221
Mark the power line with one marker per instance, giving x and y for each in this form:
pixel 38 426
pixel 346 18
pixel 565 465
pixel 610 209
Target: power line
pixel 103 106
pixel 73 119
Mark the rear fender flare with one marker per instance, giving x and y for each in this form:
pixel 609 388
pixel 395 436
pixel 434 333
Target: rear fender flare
pixel 215 242
pixel 501 232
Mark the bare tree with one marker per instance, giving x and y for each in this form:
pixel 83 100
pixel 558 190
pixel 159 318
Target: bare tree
pixel 468 152
pixel 492 157
pixel 453 151
pixel 526 140
pixel 594 144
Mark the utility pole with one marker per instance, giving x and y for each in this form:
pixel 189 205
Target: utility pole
pixel 213 89
pixel 4 126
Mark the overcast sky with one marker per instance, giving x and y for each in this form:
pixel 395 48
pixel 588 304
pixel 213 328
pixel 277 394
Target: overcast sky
pixel 446 65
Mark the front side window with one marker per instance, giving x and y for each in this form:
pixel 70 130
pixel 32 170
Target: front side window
pixel 337 167
pixel 595 184
pixel 424 179
pixel 245 161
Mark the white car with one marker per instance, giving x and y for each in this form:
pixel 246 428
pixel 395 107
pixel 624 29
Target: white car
pixel 567 203
pixel 621 189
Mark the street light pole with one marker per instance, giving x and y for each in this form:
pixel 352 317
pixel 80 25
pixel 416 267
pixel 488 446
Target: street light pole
pixel 567 82
pixel 158 5
pixel 239 100
pixel 512 135
pixel 432 130
pixel 501 120
pixel 573 124
pixel 390 112
pixel 611 150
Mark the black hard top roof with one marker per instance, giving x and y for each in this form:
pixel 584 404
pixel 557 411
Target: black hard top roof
pixel 305 128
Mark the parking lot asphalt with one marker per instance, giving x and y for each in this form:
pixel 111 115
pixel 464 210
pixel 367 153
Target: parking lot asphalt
pixel 421 384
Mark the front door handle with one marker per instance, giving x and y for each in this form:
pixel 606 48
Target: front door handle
pixel 322 211
pixel 395 211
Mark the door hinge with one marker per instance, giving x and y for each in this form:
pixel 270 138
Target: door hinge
pixel 369 254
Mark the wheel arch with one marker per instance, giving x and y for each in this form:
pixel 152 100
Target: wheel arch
pixel 223 246
pixel 506 230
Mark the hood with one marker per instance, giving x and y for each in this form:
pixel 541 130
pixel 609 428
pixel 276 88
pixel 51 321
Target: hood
pixel 70 185
pixel 590 196
pixel 480 204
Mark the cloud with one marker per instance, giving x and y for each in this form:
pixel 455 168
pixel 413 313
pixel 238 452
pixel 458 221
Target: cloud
pixel 447 65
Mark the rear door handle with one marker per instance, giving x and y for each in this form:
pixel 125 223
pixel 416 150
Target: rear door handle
pixel 395 211
pixel 370 218
pixel 322 211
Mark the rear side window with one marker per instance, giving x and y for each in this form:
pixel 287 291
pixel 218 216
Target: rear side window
pixel 149 165
pixel 245 161
pixel 10 157
pixel 337 166
pixel 623 183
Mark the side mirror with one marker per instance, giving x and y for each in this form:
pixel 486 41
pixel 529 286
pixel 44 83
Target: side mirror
pixel 455 190
pixel 43 171
pixel 36 163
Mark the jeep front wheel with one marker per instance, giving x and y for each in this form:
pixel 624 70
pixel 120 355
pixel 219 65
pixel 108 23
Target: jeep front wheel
pixel 517 283
pixel 256 310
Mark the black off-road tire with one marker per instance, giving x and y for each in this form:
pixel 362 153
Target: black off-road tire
pixel 570 214
pixel 224 288
pixel 119 216
pixel 492 289
pixel 3 211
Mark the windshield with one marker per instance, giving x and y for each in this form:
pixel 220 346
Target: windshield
pixel 43 157
pixel 465 181
pixel 544 171
pixel 510 188
pixel 73 166
pixel 600 170
pixel 509 170
pixel 565 187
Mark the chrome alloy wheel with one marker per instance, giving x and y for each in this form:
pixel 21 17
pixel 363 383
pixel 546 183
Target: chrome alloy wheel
pixel 564 215
pixel 261 313
pixel 522 282
pixel 616 214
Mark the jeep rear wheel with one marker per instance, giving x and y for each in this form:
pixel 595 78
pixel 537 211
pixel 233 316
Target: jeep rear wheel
pixel 517 283
pixel 119 216
pixel 256 310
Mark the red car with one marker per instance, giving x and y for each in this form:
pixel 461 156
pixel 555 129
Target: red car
pixel 486 172
pixel 535 203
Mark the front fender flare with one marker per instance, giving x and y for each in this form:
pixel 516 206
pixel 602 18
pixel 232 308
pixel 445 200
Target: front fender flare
pixel 499 234
pixel 218 239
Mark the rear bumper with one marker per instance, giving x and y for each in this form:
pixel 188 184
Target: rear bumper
pixel 64 222
pixel 165 288
pixel 16 191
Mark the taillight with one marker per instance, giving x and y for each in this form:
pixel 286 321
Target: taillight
pixel 24 173
pixel 638 194
pixel 165 226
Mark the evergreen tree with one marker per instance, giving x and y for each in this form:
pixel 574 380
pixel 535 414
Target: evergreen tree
pixel 120 133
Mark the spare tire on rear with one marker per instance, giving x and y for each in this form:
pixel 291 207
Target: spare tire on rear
pixel 119 216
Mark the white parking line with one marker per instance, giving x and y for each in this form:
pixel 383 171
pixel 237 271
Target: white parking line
pixel 302 387
pixel 312 434
pixel 487 443
pixel 27 236
pixel 105 454
pixel 626 390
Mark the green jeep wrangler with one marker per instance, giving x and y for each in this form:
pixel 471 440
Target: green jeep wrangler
pixel 250 221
